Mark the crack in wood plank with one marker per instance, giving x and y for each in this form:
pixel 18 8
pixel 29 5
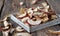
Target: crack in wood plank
pixel 1 6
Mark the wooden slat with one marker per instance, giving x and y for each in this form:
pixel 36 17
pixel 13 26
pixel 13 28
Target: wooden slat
pixel 1 3
pixel 34 5
pixel 1 6
pixel 55 4
pixel 11 6
pixel 44 32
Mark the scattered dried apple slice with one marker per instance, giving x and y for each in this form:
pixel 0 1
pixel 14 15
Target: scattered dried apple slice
pixel 54 32
pixel 18 28
pixel 33 1
pixel 22 13
pixel 21 3
pixel 24 19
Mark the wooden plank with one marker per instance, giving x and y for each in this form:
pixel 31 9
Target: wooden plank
pixel 1 6
pixel 1 3
pixel 55 4
pixel 44 32
pixel 34 5
pixel 11 6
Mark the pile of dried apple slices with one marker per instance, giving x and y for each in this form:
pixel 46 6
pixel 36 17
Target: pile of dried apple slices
pixel 36 15
pixel 8 30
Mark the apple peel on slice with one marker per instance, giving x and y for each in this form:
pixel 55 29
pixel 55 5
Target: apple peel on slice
pixel 31 22
pixel 22 15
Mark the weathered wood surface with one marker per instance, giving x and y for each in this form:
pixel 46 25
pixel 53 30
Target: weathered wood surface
pixel 12 6
pixel 1 4
pixel 44 32
pixel 55 4
pixel 38 3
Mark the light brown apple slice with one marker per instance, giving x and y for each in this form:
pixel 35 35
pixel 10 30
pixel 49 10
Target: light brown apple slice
pixel 18 28
pixel 54 32
pixel 5 23
pixel 24 19
pixel 7 27
pixel 21 3
pixel 22 15
pixel 5 33
pixel 31 22
pixel 44 4
pixel 45 19
pixel 33 1
pixel 30 12
pixel 22 34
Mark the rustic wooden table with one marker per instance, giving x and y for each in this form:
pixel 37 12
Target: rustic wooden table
pixel 1 5
pixel 12 6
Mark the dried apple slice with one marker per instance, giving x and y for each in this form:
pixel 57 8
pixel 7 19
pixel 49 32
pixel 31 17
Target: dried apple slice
pixel 5 33
pixel 31 22
pixel 33 1
pixel 25 19
pixel 30 12
pixel 21 3
pixel 22 34
pixel 18 28
pixel 45 19
pixel 54 32
pixel 5 23
pixel 22 13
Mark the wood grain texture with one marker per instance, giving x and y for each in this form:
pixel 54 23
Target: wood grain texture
pixel 38 3
pixel 1 3
pixel 11 6
pixel 55 4
pixel 44 32
pixel 1 6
